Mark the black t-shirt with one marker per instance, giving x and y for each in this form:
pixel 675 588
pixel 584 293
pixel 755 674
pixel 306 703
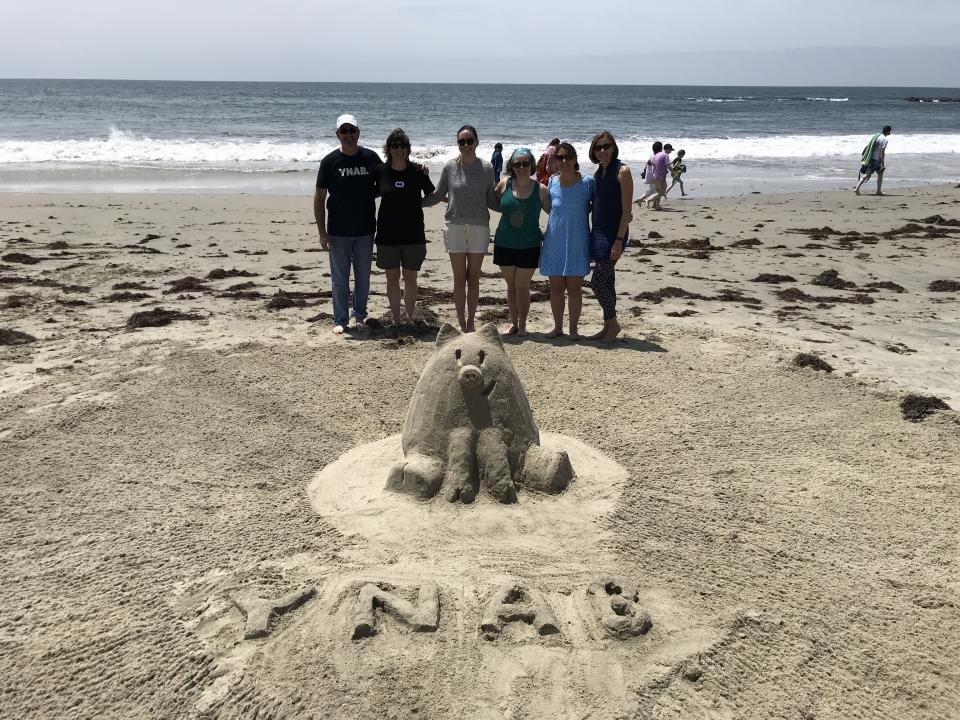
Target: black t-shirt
pixel 400 221
pixel 350 182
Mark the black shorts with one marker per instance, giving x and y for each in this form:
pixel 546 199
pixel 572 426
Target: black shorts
pixel 392 257
pixel 528 258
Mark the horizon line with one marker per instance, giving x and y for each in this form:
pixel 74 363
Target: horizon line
pixel 428 82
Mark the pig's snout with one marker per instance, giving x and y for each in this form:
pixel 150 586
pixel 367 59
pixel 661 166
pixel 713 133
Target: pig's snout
pixel 471 378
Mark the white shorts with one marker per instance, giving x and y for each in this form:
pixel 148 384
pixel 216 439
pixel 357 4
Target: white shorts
pixel 467 238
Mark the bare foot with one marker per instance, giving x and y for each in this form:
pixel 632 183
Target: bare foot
pixel 521 332
pixel 574 335
pixel 856 191
pixel 613 329
pixel 598 335
pixel 556 332
pixel 878 193
pixel 513 330
pixel 337 330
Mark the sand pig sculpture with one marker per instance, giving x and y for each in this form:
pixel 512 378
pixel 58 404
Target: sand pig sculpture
pixel 469 427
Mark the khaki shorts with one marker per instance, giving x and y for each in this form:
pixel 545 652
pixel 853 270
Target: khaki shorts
pixel 467 238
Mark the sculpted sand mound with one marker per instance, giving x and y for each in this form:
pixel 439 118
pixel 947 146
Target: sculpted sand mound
pixel 469 427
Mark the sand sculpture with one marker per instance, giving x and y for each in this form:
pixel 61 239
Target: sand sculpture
pixel 469 427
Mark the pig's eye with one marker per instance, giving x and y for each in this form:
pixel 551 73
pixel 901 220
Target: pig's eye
pixel 482 356
pixel 458 353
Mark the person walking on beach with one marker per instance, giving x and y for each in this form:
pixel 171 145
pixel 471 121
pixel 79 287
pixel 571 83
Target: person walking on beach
pixel 344 207
pixel 497 161
pixel 516 245
pixel 873 160
pixel 661 166
pixel 546 165
pixel 467 182
pixel 611 221
pixel 677 169
pixel 647 175
pixel 401 240
pixel 565 257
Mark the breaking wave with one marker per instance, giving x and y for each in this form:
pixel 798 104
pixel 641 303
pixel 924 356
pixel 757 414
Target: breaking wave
pixel 123 149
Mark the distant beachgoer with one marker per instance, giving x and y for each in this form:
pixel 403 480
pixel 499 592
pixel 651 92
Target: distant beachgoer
pixel 611 222
pixel 546 165
pixel 647 175
pixel 661 165
pixel 873 160
pixel 401 240
pixel 497 161
pixel 516 245
pixel 677 169
pixel 565 257
pixel 346 189
pixel 467 182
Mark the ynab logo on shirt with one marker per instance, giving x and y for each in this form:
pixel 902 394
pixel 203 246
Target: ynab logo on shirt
pixel 352 171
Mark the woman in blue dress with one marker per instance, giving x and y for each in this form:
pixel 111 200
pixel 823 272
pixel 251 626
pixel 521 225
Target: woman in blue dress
pixel 565 257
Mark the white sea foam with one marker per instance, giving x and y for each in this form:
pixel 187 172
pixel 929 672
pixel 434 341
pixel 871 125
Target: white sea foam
pixel 122 149
pixel 127 149
pixel 825 99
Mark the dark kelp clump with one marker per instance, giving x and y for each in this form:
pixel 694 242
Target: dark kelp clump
pixel 809 360
pixel 158 317
pixel 15 337
pixel 916 407
pixel 773 278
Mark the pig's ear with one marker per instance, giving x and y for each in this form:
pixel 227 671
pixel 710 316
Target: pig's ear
pixel 490 332
pixel 447 333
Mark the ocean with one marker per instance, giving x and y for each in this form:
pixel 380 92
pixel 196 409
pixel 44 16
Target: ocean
pixel 137 136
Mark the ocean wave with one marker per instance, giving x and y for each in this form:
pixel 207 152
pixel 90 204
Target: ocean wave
pixel 827 99
pixel 123 149
pixel 127 149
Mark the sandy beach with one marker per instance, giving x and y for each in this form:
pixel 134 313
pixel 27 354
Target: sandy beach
pixel 170 388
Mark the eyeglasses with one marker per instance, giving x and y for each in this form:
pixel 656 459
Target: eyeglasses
pixel 602 147
pixel 561 158
pixel 466 141
pixel 398 146
pixel 348 131
pixel 522 164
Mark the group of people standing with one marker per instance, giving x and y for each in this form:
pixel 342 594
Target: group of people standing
pixel 655 173
pixel 588 220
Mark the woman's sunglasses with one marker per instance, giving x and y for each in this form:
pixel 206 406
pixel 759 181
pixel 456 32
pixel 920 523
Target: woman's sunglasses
pixel 465 141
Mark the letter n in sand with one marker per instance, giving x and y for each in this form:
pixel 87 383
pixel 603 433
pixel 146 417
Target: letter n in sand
pixel 422 617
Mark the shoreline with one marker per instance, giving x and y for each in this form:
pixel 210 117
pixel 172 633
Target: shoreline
pixel 707 177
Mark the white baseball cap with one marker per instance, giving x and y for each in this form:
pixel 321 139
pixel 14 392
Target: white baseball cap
pixel 347 119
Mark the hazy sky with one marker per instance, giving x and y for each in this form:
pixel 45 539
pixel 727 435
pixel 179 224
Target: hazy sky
pixel 423 40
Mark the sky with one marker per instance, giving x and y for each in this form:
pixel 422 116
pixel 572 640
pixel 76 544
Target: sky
pixel 818 42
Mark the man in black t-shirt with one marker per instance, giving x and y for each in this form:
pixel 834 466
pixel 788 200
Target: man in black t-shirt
pixel 346 189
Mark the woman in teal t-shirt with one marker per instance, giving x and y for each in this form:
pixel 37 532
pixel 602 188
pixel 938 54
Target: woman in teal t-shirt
pixel 516 246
